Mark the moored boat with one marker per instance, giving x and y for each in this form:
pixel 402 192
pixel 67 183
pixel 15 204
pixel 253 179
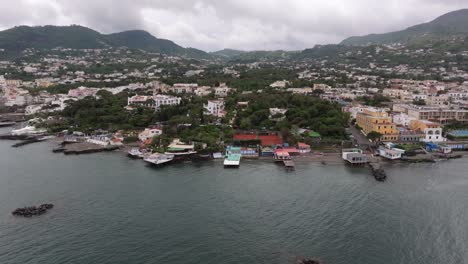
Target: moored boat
pixel 159 159
pixel 134 153
pixel 233 157
pixel 281 155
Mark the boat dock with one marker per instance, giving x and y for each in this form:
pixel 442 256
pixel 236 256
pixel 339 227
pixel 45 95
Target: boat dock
pixel 7 124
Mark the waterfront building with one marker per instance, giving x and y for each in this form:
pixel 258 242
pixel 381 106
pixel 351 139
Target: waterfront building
pixel 389 151
pixel 354 156
pixel 410 136
pixel 432 131
pixel 265 140
pixel 377 120
pixel 303 148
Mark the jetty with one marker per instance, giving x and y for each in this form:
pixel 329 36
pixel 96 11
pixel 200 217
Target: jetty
pixel 26 142
pixel 32 210
pixel 15 137
pixel 86 148
pixel 7 124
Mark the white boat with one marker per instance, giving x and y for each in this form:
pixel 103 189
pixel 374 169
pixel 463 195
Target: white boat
pixel 159 159
pixel 232 160
pixel 28 130
pixel 185 153
pixel 134 153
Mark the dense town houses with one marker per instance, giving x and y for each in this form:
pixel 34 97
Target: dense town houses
pixel 441 114
pixel 404 102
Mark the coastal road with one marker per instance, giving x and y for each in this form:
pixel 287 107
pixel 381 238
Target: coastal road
pixel 360 138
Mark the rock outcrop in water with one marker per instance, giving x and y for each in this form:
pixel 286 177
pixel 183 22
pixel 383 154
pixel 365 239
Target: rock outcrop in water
pixel 378 173
pixel 32 210
pixel 309 261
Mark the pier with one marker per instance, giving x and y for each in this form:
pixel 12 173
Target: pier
pixel 7 124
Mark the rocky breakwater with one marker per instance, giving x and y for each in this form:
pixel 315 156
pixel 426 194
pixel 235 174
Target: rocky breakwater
pixel 378 173
pixel 32 210
pixel 308 261
pixel 86 148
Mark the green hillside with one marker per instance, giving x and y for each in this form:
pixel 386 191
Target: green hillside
pixel 451 27
pixel 17 39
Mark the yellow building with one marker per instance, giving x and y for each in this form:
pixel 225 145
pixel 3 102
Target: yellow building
pixel 378 120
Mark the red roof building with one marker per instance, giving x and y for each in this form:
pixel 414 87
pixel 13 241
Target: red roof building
pixel 266 140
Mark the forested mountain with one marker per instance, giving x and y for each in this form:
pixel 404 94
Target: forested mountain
pixel 451 27
pixel 19 38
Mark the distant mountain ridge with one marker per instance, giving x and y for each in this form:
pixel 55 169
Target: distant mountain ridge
pixel 78 37
pixel 446 27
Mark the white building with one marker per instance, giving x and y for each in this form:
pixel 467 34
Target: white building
pixel 390 152
pixel 215 108
pixel 160 100
pixel 203 91
pixel 141 100
pixel 149 133
pixel 184 88
pixel 222 91
pixel 402 119
pixel 277 114
pixel 82 92
pixel 279 84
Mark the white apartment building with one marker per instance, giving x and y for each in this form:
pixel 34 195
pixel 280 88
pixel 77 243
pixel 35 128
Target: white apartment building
pixel 215 108
pixel 141 100
pixel 160 100
pixel 184 88
pixel 222 91
pixel 402 119
pixel 149 133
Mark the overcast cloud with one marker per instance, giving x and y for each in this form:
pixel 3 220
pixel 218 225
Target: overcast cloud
pixel 240 24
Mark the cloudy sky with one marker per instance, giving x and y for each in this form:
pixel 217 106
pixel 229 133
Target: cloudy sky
pixel 240 24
